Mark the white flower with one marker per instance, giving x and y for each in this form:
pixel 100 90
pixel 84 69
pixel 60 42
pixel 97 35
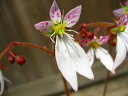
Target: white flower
pixel 101 53
pixel 122 41
pixel 1 83
pixel 70 56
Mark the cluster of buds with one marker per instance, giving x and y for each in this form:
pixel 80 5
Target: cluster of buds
pixel 13 58
pixel 94 43
pixel 84 32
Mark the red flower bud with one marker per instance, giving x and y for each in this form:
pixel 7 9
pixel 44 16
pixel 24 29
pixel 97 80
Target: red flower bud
pixel 11 59
pixel 20 60
pixel 3 67
pixel 83 34
pixel 90 35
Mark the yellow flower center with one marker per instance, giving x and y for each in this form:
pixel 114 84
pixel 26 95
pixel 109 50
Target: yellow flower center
pixel 122 28
pixel 59 29
pixel 94 44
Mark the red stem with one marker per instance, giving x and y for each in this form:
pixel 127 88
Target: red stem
pixel 16 43
pixel 66 87
pixel 100 24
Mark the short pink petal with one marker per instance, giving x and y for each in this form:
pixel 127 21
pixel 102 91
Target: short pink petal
pixel 119 12
pixel 103 40
pixel 55 13
pixel 123 20
pixel 44 26
pixel 72 16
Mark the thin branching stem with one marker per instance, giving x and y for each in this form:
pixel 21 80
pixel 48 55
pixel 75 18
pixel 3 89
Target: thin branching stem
pixel 16 43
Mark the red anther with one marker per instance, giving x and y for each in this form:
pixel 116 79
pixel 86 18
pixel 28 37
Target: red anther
pixel 20 60
pixel 90 35
pixel 113 42
pixel 3 67
pixel 83 34
pixel 82 27
pixel 11 59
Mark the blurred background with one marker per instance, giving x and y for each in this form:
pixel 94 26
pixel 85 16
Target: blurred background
pixel 39 76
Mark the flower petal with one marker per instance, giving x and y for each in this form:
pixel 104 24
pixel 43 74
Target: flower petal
pixel 126 29
pixel 79 57
pixel 72 16
pixel 124 37
pixel 55 13
pixel 105 58
pixel 91 56
pixel 44 26
pixel 1 83
pixel 64 62
pixel 71 58
pixel 103 40
pixel 121 52
pixel 119 12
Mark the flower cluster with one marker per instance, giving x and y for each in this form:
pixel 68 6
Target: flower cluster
pixel 70 56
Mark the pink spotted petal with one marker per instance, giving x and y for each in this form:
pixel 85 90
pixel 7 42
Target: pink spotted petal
pixel 55 13
pixel 103 40
pixel 72 16
pixel 44 26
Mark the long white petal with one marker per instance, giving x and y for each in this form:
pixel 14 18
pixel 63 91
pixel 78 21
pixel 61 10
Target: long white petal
pixel 1 83
pixel 105 58
pixel 79 57
pixel 64 61
pixel 121 52
pixel 71 58
pixel 91 56
pixel 124 37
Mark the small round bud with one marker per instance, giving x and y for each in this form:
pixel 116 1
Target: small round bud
pixel 83 34
pixel 20 60
pixel 90 35
pixel 11 59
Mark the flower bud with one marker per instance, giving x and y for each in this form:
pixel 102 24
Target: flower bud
pixel 3 67
pixel 11 59
pixel 20 60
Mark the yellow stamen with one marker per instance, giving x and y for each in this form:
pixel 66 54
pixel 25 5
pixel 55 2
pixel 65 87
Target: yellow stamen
pixel 94 44
pixel 122 28
pixel 59 29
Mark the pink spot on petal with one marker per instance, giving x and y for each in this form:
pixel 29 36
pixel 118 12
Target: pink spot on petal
pixel 46 23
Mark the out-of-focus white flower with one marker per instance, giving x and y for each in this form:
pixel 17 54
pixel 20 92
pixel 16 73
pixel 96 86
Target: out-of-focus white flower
pixel 1 83
pixel 122 40
pixel 101 53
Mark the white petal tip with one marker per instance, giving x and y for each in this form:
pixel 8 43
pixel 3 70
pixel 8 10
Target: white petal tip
pixel 76 89
pixel 92 77
pixel 113 71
